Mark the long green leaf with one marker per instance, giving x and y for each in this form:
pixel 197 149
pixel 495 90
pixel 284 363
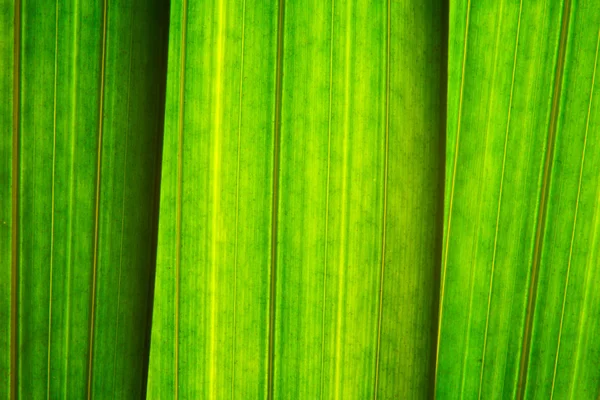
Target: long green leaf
pixel 210 334
pixel 519 259
pixel 300 221
pixel 81 136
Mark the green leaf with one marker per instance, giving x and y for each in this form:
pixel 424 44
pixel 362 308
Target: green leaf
pixel 519 259
pixel 80 136
pixel 301 201
pixel 360 199
pixel 210 333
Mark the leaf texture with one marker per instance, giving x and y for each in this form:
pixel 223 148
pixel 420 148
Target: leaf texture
pixel 360 194
pixel 300 228
pixel 210 336
pixel 300 216
pixel 519 243
pixel 80 136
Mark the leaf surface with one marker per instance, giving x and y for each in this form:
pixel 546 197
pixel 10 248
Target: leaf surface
pixel 210 335
pixel 301 205
pixel 518 255
pixel 360 199
pixel 81 140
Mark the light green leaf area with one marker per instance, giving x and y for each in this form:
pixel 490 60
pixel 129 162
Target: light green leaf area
pixel 360 199
pixel 80 135
pixel 518 309
pixel 301 201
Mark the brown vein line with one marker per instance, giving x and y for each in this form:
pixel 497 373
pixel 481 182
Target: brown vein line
pixel 385 193
pixel 491 285
pixel 179 189
pixel 275 204
pixel 456 148
pixel 237 202
pixel 131 26
pixel 326 233
pixel 52 201
pixel 545 189
pixel 14 284
pixel 97 205
pixel 564 302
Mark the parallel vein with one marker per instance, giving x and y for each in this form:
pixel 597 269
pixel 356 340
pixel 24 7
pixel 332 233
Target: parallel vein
pixel 543 208
pixel 385 194
pixel 497 224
